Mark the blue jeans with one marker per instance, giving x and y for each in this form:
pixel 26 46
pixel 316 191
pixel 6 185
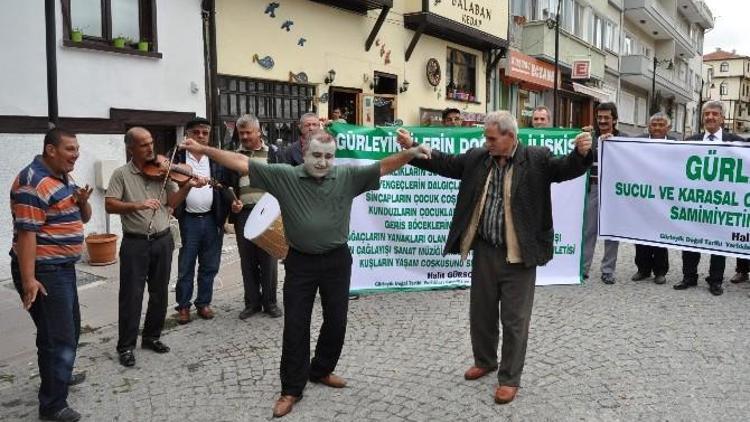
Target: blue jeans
pixel 201 240
pixel 58 326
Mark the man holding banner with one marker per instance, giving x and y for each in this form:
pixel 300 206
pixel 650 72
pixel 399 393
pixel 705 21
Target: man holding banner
pixel 713 119
pixel 504 213
pixel 315 200
pixel 650 258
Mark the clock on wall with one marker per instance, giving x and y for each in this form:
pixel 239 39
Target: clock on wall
pixel 433 71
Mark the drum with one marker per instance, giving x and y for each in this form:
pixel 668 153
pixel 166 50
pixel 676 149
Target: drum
pixel 265 228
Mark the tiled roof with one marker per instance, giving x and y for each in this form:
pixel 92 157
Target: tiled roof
pixel 722 55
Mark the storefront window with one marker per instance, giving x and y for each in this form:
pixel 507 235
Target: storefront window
pixel 461 76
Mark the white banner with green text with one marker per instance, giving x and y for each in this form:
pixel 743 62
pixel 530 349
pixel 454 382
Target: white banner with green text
pixel 679 194
pixel 398 232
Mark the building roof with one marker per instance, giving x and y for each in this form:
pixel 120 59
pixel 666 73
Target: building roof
pixel 720 54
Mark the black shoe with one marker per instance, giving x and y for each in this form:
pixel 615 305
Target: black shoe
pixel 684 284
pixel 640 276
pixel 127 358
pixel 608 278
pixel 248 312
pixel 585 276
pixel 64 415
pixel 716 289
pixel 660 279
pixel 77 378
pixel 273 311
pixel 353 296
pixel 739 278
pixel 155 345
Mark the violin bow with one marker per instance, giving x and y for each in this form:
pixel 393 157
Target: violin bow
pixel 163 187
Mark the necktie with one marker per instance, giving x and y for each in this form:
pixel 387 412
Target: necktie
pixel 711 137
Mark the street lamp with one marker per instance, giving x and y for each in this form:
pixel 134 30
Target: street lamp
pixel 555 23
pixel 657 62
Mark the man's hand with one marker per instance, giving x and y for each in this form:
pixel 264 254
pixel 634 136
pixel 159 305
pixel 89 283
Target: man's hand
pixel 197 182
pixel 236 206
pixel 81 195
pixel 30 290
pixel 404 138
pixel 193 146
pixel 583 143
pixel 606 136
pixel 149 204
pixel 421 151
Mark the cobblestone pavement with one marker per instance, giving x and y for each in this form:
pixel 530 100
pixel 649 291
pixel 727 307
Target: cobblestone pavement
pixel 630 351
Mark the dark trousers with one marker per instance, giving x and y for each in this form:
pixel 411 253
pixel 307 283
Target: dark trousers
pixel 690 261
pixel 259 269
pixel 495 281
pixel 651 259
pixel 58 326
pixel 743 266
pixel 305 275
pixel 143 262
pixel 201 239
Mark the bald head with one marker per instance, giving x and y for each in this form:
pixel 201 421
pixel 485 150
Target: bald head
pixel 140 144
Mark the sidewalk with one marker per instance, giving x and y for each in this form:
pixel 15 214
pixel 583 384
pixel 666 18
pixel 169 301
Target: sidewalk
pixel 98 290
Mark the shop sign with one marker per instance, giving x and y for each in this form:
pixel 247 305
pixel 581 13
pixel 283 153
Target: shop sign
pixel 489 16
pixel 528 69
pixel 581 69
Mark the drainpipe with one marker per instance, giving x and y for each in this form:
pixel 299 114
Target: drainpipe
pixel 51 51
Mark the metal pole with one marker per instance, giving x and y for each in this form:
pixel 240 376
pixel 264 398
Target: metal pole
pixel 557 65
pixel 653 88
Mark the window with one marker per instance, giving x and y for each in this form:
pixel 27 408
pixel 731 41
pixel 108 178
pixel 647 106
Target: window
pixel 627 108
pixel 578 14
pixel 724 67
pixel 723 89
pixel 642 112
pixel 461 75
pixel 609 32
pixel 598 32
pixel 103 21
pixel 628 47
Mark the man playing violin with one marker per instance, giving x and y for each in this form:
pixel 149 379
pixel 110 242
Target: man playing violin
pixel 201 218
pixel 146 250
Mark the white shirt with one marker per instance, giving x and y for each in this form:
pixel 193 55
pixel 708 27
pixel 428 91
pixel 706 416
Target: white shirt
pixel 717 136
pixel 199 200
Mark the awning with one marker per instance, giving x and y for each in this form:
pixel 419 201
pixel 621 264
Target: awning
pixel 359 6
pixel 600 95
pixel 526 70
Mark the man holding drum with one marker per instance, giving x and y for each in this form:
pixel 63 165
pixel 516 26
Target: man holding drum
pixel 316 200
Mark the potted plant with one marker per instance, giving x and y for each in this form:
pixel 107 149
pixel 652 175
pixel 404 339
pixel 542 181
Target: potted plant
pixel 76 35
pixel 142 45
pixel 119 42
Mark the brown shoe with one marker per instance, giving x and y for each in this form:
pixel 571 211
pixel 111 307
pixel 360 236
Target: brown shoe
pixel 205 312
pixel 739 278
pixel 331 380
pixel 476 372
pixel 284 405
pixel 505 394
pixel 183 316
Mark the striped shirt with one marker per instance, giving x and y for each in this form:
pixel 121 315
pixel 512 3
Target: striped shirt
pixel 491 226
pixel 43 203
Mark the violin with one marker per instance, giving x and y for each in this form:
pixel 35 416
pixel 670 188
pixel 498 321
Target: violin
pixel 179 173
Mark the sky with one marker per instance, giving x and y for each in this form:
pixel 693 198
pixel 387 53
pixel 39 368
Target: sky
pixel 730 26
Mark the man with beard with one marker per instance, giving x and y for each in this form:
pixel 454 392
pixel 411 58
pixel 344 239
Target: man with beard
pixel 48 211
pixel 315 200
pixel 292 154
pixel 146 248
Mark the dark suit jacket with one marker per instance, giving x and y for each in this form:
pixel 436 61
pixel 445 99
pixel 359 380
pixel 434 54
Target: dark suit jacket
pixel 534 170
pixel 725 137
pixel 291 154
pixel 222 200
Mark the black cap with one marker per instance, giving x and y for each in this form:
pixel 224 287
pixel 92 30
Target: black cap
pixel 197 121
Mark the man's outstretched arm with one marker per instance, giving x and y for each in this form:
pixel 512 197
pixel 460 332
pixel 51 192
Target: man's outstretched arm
pixel 231 160
pixel 395 161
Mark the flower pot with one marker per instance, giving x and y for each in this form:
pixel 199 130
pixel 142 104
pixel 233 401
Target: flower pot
pixel 119 42
pixel 76 36
pixel 143 46
pixel 102 248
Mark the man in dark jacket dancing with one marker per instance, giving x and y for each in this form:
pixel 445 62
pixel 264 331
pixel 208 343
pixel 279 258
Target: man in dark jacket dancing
pixel 503 213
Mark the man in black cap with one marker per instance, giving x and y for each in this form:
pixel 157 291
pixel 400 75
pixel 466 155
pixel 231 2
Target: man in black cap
pixel 201 218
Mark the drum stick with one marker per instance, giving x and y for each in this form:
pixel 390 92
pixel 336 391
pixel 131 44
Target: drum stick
pixel 231 192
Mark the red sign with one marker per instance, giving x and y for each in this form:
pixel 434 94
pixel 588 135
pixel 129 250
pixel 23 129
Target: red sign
pixel 581 69
pixel 530 70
